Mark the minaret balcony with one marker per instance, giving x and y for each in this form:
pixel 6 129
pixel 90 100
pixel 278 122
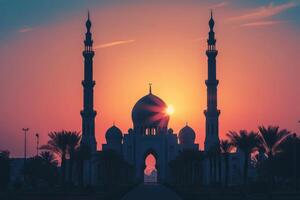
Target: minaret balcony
pixel 88 54
pixel 212 53
pixel 87 113
pixel 88 83
pixel 212 82
pixel 212 113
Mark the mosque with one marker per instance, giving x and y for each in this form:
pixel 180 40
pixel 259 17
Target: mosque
pixel 150 133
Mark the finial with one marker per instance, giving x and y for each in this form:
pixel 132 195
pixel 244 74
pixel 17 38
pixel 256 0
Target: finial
pixel 88 22
pixel 211 21
pixel 150 88
pixel 114 123
pixel 186 123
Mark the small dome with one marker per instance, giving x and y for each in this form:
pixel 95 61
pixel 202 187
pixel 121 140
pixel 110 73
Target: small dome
pixel 150 112
pixel 130 130
pixel 170 131
pixel 113 135
pixel 187 135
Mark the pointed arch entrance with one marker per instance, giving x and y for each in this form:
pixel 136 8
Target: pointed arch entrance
pixel 150 167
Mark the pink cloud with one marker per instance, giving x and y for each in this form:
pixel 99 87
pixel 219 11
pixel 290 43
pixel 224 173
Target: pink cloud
pixel 114 43
pixel 221 4
pixel 263 23
pixel 265 11
pixel 25 30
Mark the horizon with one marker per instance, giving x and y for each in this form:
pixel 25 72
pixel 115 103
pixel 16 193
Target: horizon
pixel 41 89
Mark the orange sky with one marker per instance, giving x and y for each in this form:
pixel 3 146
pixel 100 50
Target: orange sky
pixel 41 70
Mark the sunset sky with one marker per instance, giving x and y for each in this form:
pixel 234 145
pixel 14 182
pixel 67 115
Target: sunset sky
pixel 137 42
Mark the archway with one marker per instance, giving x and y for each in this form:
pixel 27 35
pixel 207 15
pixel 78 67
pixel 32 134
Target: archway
pixel 150 170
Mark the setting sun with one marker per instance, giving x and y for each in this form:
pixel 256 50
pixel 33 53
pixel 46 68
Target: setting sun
pixel 170 110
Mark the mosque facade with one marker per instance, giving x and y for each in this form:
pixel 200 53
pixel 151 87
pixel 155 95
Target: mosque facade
pixel 150 133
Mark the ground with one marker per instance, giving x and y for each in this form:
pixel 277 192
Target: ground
pixel 151 192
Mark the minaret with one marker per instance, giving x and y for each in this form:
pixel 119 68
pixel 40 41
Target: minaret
pixel 88 113
pixel 211 113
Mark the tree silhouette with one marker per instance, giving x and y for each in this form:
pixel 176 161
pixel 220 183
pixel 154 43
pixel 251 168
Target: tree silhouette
pixel 58 144
pixel 63 144
pixel 48 157
pixel 73 142
pixel 247 142
pixel 226 148
pixel 285 163
pixel 270 140
pixel 41 169
pixel 4 169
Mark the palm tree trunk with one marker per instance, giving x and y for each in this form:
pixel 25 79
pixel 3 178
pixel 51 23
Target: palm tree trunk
pixel 246 168
pixel 220 169
pixel 71 169
pixel 81 172
pixel 271 178
pixel 63 167
pixel 226 170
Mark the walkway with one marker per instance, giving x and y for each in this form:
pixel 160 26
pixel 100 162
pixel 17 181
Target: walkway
pixel 151 192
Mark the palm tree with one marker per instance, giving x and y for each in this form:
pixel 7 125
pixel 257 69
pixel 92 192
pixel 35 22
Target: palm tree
pixel 73 142
pixel 58 144
pixel 48 157
pixel 226 148
pixel 270 140
pixel 247 142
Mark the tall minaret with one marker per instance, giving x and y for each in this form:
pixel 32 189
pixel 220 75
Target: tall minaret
pixel 88 113
pixel 211 113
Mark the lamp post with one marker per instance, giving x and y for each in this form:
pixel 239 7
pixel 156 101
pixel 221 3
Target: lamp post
pixel 37 144
pixel 25 143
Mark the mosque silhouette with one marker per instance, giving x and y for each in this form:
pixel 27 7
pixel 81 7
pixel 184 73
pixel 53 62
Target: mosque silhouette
pixel 150 133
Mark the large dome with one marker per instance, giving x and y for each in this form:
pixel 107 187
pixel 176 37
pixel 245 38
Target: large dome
pixel 150 112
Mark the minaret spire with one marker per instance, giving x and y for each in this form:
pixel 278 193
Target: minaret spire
pixel 88 42
pixel 211 113
pixel 150 88
pixel 88 113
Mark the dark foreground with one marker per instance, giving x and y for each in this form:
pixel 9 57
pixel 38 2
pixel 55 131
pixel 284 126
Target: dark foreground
pixel 151 192
pixel 148 192
pixel 205 193
pixel 100 193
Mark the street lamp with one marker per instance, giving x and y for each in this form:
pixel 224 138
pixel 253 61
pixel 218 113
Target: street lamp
pixel 37 144
pixel 25 143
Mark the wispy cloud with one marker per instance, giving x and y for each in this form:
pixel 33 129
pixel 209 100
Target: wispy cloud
pixel 114 43
pixel 25 30
pixel 219 5
pixel 263 23
pixel 265 11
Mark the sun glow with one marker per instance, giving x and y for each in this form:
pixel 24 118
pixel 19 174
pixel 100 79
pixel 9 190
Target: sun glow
pixel 170 110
